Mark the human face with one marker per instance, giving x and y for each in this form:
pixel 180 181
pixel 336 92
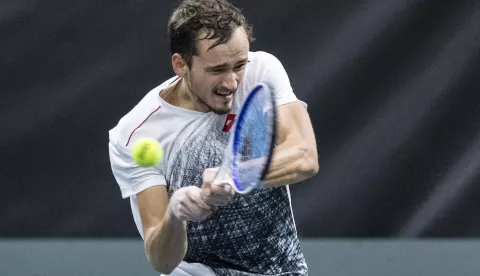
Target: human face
pixel 215 73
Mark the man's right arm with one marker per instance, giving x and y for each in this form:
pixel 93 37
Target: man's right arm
pixel 164 221
pixel 165 236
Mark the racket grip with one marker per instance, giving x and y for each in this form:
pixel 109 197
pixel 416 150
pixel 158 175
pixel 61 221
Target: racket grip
pixel 223 177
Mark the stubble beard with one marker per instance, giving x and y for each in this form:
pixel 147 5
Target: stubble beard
pixel 203 102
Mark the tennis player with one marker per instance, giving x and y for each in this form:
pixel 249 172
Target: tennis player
pixel 189 226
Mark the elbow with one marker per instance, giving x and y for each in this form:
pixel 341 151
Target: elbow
pixel 164 269
pixel 165 264
pixel 162 266
pixel 309 165
pixel 310 169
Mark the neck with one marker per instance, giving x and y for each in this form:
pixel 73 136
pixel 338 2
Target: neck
pixel 187 99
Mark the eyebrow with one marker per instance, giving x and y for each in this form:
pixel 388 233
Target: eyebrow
pixel 223 65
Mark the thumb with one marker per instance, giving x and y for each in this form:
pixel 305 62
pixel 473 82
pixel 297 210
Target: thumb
pixel 208 177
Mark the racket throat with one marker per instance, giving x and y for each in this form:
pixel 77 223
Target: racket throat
pixel 223 177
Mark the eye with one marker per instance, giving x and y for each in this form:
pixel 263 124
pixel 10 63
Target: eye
pixel 217 70
pixel 239 67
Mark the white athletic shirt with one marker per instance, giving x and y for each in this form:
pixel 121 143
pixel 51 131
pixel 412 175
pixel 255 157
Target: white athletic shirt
pixel 254 234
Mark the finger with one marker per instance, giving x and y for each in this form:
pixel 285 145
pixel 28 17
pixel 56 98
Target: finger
pixel 218 200
pixel 205 192
pixel 189 211
pixel 202 203
pixel 229 190
pixel 200 198
pixel 195 206
pixel 208 176
pixel 218 203
pixel 222 190
pixel 212 192
pixel 195 212
pixel 182 213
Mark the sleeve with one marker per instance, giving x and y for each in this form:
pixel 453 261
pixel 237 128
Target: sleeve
pixel 131 178
pixel 274 75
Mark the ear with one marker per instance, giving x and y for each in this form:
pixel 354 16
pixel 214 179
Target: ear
pixel 179 65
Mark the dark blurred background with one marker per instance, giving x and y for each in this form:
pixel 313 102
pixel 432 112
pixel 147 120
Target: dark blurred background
pixel 393 89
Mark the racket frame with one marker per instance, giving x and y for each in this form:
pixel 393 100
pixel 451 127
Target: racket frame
pixel 228 167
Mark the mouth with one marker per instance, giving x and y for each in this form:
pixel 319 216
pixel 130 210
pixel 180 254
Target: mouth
pixel 225 94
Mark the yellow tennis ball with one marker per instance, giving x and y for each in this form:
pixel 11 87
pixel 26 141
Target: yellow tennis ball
pixel 147 152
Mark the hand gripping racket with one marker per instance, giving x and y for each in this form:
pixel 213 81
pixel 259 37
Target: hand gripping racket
pixel 250 148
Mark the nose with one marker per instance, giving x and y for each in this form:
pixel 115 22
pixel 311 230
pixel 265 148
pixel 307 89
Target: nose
pixel 230 81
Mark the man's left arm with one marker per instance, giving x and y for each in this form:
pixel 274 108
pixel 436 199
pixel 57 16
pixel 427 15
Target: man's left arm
pixel 295 157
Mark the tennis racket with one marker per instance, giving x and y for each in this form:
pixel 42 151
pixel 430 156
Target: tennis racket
pixel 250 148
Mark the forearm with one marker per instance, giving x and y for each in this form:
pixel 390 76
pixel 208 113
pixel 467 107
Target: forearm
pixel 291 164
pixel 166 244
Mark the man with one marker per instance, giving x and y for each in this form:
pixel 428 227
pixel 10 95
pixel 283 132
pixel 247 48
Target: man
pixel 189 226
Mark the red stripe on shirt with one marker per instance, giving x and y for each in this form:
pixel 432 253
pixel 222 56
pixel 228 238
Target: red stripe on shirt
pixel 141 125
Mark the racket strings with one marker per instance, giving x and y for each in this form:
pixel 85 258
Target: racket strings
pixel 254 140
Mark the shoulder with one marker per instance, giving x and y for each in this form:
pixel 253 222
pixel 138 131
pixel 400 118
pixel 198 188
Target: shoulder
pixel 264 66
pixel 139 118
pixel 267 68
pixel 262 58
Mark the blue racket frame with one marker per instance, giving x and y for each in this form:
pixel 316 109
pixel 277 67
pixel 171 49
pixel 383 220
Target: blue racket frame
pixel 238 129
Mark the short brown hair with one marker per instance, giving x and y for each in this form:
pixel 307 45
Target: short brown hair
pixel 219 18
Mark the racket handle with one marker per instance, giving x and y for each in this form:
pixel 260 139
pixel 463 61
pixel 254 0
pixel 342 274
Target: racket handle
pixel 223 177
